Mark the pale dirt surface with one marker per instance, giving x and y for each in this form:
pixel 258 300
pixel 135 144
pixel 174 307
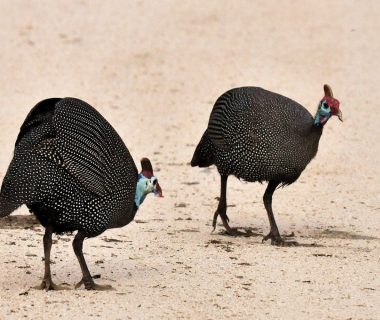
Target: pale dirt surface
pixel 154 69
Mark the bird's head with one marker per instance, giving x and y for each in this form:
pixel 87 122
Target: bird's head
pixel 328 106
pixel 146 183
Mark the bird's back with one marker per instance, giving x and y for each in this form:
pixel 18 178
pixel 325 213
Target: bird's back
pixel 259 135
pixel 68 159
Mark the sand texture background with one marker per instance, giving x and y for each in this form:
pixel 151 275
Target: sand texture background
pixel 154 70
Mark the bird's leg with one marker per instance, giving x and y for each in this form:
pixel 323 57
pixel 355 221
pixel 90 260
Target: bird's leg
pixel 47 282
pixel 222 207
pixel 87 280
pixel 274 234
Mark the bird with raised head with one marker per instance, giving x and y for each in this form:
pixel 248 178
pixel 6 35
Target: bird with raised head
pixel 259 135
pixel 74 173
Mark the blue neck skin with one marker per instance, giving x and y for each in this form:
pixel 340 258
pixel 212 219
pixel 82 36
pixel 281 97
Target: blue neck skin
pixel 144 187
pixel 140 190
pixel 321 117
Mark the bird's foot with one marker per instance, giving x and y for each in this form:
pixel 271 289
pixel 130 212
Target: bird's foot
pixel 91 285
pixel 234 232
pixel 276 240
pixel 224 218
pixel 48 284
pixel 231 231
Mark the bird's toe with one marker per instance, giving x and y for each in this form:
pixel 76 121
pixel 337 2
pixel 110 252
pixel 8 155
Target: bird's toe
pixel 47 284
pixel 277 240
pixel 91 285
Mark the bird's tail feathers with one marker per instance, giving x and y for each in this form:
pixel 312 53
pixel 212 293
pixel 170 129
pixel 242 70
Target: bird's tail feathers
pixel 203 155
pixel 7 206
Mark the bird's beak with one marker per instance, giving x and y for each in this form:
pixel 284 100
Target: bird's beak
pixel 158 192
pixel 339 115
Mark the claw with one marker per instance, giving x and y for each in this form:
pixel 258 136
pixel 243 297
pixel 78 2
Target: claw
pixel 78 284
pixel 229 230
pixel 276 240
pixel 225 221
pixel 48 284
pixel 214 220
pixel 91 285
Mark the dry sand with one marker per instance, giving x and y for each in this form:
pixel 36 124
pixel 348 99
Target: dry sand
pixel 154 69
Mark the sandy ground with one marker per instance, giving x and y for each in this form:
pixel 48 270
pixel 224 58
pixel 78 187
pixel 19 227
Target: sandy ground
pixel 154 69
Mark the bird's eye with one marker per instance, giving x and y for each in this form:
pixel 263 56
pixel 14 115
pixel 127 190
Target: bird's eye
pixel 155 182
pixel 146 183
pixel 325 105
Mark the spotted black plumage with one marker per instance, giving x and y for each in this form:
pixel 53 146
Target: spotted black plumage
pixel 74 172
pixel 258 135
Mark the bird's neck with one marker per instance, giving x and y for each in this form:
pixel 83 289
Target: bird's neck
pixel 317 128
pixel 319 120
pixel 314 136
pixel 139 198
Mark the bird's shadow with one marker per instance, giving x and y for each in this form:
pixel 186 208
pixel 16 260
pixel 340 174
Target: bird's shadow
pixel 247 232
pixel 19 222
pixel 345 235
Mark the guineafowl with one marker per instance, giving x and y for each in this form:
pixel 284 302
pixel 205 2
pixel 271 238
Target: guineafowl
pixel 73 171
pixel 258 135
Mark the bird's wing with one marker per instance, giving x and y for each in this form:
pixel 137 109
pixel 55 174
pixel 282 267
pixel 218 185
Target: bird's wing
pixel 229 119
pixel 81 144
pixel 219 128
